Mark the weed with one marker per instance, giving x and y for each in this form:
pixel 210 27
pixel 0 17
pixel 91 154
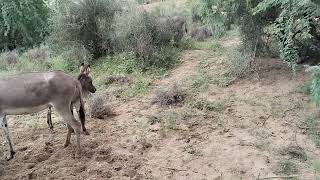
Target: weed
pixel 276 109
pixel 169 96
pixel 238 65
pixel 189 43
pixel 312 123
pixel 205 105
pixel 304 88
pixel 8 59
pixel 139 88
pixel 169 119
pixel 287 168
pixel 121 80
pixel 201 82
pixel 295 152
pixel 99 109
pixel 316 167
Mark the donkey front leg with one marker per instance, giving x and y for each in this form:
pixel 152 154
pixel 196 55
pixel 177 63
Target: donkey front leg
pixel 4 125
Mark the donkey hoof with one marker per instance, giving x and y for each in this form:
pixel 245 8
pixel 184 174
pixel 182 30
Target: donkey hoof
pixel 12 153
pixel 66 145
pixel 86 133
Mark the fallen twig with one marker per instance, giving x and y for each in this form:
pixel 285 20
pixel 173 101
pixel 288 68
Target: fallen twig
pixel 277 177
pixel 173 169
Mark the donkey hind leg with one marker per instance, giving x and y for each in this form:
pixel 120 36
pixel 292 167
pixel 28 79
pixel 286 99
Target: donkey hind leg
pixel 66 144
pixel 49 119
pixel 67 116
pixel 4 125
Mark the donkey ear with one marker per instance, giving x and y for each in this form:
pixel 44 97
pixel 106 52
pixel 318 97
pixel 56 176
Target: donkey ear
pixel 87 70
pixel 82 68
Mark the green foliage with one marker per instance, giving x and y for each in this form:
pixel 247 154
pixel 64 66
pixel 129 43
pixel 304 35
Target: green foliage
pixel 142 35
pixel 189 43
pixel 218 14
pixel 167 119
pixel 23 23
pixel 313 123
pixel 287 168
pixel 85 23
pixel 292 25
pixel 238 65
pixel 201 82
pixel 138 88
pixel 315 84
pixel 205 105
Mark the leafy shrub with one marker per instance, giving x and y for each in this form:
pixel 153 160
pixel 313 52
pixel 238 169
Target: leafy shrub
pixel 8 59
pixel 23 23
pixel 315 84
pixel 169 96
pixel 217 14
pixel 86 23
pixel 27 65
pixel 39 54
pixel 238 64
pixel 147 38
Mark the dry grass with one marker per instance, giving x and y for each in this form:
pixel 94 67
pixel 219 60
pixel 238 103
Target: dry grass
pixel 99 109
pixel 169 96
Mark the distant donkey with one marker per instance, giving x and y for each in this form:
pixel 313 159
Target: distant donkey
pixel 87 87
pixel 33 92
pixel 171 28
pixel 201 33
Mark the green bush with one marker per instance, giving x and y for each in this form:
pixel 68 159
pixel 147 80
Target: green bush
pixel 8 59
pixel 151 43
pixel 23 23
pixel 217 14
pixel 85 23
pixel 315 84
pixel 238 63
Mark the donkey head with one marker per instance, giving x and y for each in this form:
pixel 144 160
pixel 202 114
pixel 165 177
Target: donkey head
pixel 85 79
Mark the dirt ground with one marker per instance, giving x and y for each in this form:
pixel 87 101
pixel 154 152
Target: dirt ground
pixel 246 139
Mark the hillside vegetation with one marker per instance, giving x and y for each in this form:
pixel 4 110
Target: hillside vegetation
pixel 230 93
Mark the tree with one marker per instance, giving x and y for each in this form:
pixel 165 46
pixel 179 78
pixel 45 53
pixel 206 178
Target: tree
pixel 23 23
pixel 87 23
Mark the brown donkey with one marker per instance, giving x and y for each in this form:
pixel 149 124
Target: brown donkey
pixel 87 87
pixel 33 92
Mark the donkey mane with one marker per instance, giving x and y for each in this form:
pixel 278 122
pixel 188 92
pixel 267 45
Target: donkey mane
pixel 80 76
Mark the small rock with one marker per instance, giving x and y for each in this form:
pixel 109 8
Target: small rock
pixel 155 127
pixel 30 165
pixel 230 135
pixel 130 173
pixel 23 148
pixel 226 130
pixel 117 168
pixel 183 127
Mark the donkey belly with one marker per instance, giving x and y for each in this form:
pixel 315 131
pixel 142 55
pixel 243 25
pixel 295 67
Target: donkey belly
pixel 25 110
